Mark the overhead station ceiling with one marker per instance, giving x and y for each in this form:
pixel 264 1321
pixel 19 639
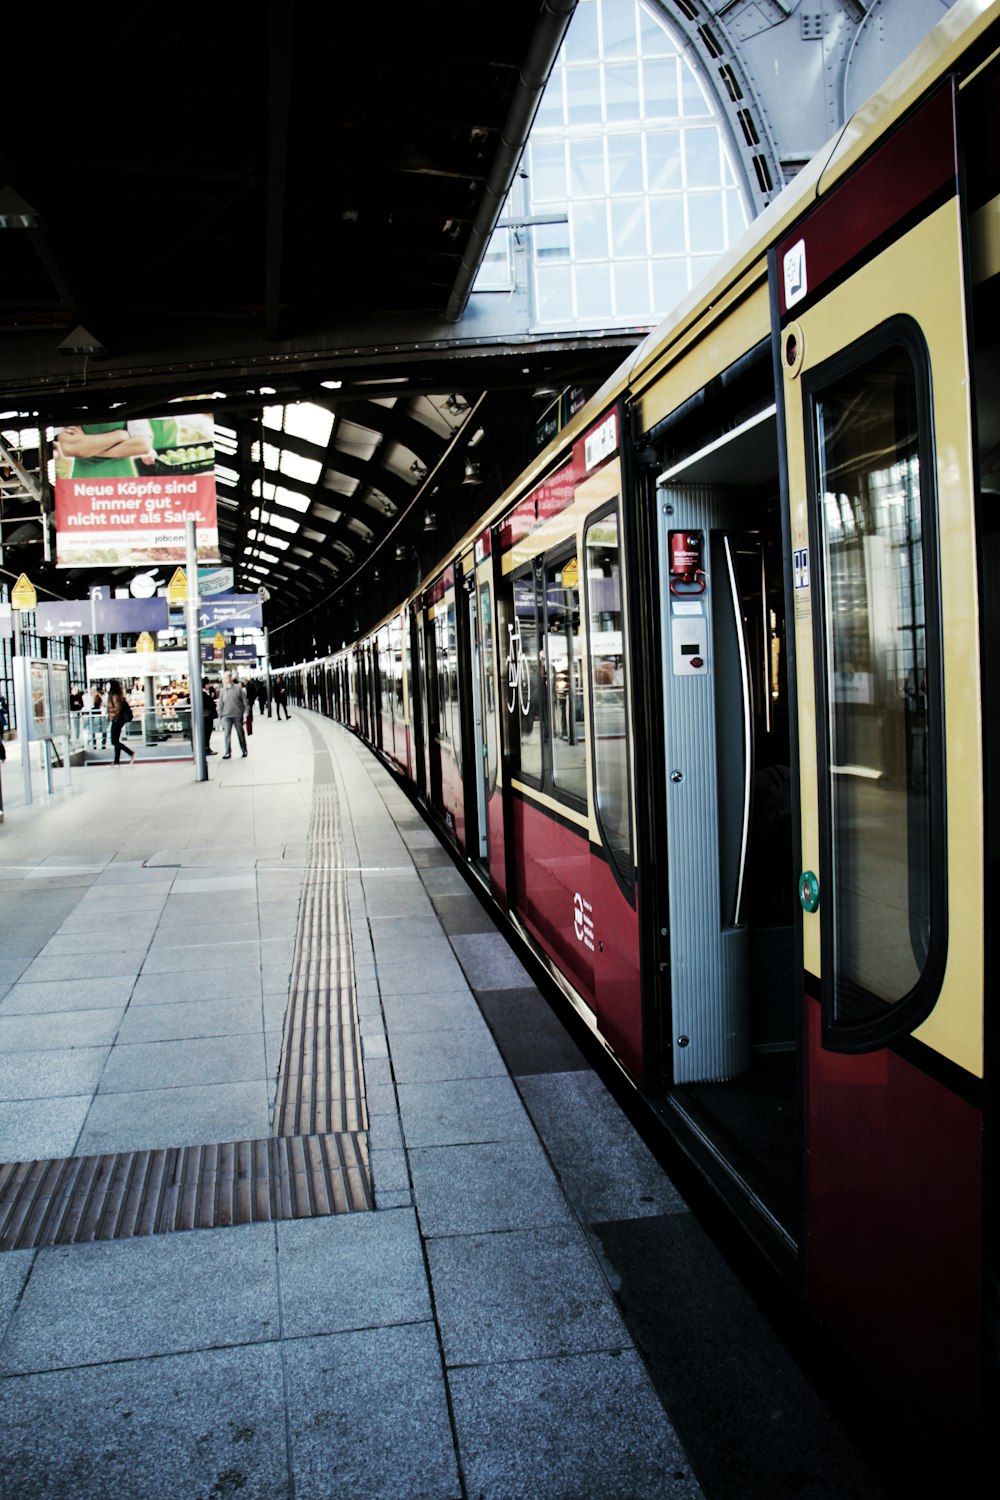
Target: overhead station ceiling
pixel 255 205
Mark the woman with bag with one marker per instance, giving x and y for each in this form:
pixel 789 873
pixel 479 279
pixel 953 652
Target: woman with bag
pixel 119 714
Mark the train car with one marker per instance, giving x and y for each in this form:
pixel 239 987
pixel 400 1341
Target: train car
pixel 708 702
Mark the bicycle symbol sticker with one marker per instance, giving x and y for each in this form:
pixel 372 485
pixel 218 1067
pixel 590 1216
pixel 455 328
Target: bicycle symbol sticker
pixel 518 682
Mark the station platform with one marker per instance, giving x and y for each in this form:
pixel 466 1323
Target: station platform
pixel 307 1191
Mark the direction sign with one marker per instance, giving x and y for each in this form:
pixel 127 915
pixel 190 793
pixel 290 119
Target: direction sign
pixel 177 588
pixel 242 610
pixel 65 617
pixel 241 652
pixel 128 616
pixel 22 595
pixel 101 616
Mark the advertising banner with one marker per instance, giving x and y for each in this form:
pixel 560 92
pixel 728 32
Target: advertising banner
pixel 125 489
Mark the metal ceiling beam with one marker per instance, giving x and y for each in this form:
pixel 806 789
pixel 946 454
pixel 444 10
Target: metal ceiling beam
pixel 281 20
pixel 534 75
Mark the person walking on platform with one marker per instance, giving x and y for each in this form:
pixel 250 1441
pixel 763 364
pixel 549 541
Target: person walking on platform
pixel 208 712
pixel 281 700
pixel 119 714
pixel 231 710
pixel 98 724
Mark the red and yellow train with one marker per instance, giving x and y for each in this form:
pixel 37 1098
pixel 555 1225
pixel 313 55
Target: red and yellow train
pixel 710 703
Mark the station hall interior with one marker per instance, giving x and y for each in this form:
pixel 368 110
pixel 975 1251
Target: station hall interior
pixel 311 1181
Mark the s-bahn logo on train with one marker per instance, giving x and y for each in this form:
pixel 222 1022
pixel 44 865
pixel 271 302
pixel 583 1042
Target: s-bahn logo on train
pixel 518 681
pixel 583 921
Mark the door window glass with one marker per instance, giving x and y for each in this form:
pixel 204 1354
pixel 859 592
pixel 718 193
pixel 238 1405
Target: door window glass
pixel 564 677
pixel 524 698
pixel 880 685
pixel 489 693
pixel 609 716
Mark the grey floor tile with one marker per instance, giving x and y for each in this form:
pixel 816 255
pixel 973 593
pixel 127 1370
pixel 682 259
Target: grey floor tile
pixel 522 1295
pixel 186 958
pixel 209 884
pixel 223 984
pixel 67 966
pixel 209 1424
pixel 126 873
pixel 351 1271
pixel 595 1417
pixel 489 962
pixel 36 1129
pixel 607 1171
pixel 86 1304
pixel 50 1030
pixel 485 1188
pixel 430 1056
pixel 31 998
pixel 173 1021
pixel 188 1116
pixel 369 1416
pixel 191 1061
pixel 429 1012
pixel 51 1074
pixel 14 1268
pixel 531 1037
pixel 460 1111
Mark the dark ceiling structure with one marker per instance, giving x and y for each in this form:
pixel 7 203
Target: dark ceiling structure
pixel 261 205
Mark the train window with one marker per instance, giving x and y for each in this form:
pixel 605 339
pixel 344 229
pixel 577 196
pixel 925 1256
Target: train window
pixel 489 691
pixel 564 675
pixel 524 697
pixel 449 723
pixel 608 704
pixel 881 765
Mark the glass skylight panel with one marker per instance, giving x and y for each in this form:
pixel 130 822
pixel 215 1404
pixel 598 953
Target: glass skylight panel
pixel 270 557
pixel 307 420
pixel 341 484
pixel 283 523
pixel 269 489
pixel 276 541
pixel 226 475
pixel 226 440
pixel 353 438
pixel 307 470
pixel 294 499
pixel 274 417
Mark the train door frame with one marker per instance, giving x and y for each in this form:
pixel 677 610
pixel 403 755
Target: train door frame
pixel 727 435
pixel 893 1009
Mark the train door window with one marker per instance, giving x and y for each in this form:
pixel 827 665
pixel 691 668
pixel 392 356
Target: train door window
pixel 489 691
pixel 524 666
pixel 564 676
pixel 608 702
pixel 879 666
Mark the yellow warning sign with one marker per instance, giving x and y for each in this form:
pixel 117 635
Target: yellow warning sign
pixel 145 642
pixel 571 574
pixel 177 588
pixel 220 642
pixel 22 595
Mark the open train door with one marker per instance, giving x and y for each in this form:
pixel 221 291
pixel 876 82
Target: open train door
pixel 871 327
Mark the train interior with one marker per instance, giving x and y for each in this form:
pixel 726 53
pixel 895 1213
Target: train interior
pixel 731 882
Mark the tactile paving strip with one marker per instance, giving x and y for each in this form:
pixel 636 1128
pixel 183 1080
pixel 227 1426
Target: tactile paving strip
pixel 320 1080
pixel 83 1198
pixel 316 1161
